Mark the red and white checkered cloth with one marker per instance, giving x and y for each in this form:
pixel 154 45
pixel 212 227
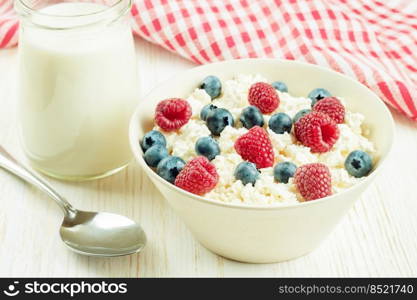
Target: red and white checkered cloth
pixel 373 41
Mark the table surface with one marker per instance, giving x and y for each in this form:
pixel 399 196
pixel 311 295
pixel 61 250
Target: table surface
pixel 378 237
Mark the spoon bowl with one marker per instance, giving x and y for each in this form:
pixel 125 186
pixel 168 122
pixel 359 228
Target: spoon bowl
pixel 102 234
pixel 85 232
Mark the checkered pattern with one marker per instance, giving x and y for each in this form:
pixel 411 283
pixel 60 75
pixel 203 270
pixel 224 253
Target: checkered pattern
pixel 370 40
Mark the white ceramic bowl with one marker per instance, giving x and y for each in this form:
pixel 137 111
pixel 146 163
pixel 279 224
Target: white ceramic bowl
pixel 263 234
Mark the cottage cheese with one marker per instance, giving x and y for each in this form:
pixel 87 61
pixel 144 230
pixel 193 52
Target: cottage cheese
pixel 265 191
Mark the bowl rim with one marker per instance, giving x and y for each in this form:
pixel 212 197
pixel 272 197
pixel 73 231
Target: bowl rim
pixel 274 206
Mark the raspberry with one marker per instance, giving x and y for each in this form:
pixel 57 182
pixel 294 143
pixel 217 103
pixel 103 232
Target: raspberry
pixel 317 131
pixel 263 96
pixel 313 181
pixel 172 114
pixel 255 146
pixel 199 176
pixel 332 107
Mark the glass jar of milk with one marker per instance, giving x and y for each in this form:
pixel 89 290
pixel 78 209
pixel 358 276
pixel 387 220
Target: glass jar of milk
pixel 77 86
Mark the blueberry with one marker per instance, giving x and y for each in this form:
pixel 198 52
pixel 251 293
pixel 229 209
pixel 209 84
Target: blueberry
pixel 318 94
pixel 155 154
pixel 208 147
pixel 151 138
pixel 246 172
pixel 301 114
pixel 169 167
pixel 283 171
pixel 280 123
pixel 280 86
pixel 251 116
pixel 218 119
pixel 206 110
pixel 358 163
pixel 212 85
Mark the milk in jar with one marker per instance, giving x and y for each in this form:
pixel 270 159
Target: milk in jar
pixel 77 87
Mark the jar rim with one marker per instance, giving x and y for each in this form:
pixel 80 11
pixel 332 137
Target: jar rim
pixel 117 9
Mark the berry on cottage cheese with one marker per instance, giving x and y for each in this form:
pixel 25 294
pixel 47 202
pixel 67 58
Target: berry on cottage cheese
pixel 198 176
pixel 300 114
pixel 358 163
pixel 283 171
pixel 206 110
pixel 208 147
pixel 332 107
pixel 218 119
pixel 172 114
pixel 317 131
pixel 313 181
pixel 318 94
pixel 263 96
pixel 246 172
pixel 251 116
pixel 255 146
pixel 155 154
pixel 280 86
pixel 280 123
pixel 169 167
pixel 212 85
pixel 151 138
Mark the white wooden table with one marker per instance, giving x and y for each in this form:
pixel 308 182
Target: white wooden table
pixel 377 238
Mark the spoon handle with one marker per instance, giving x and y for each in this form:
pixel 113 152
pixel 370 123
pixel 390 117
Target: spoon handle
pixel 9 163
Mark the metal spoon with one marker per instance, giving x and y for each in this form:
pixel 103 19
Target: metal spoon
pixel 85 232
